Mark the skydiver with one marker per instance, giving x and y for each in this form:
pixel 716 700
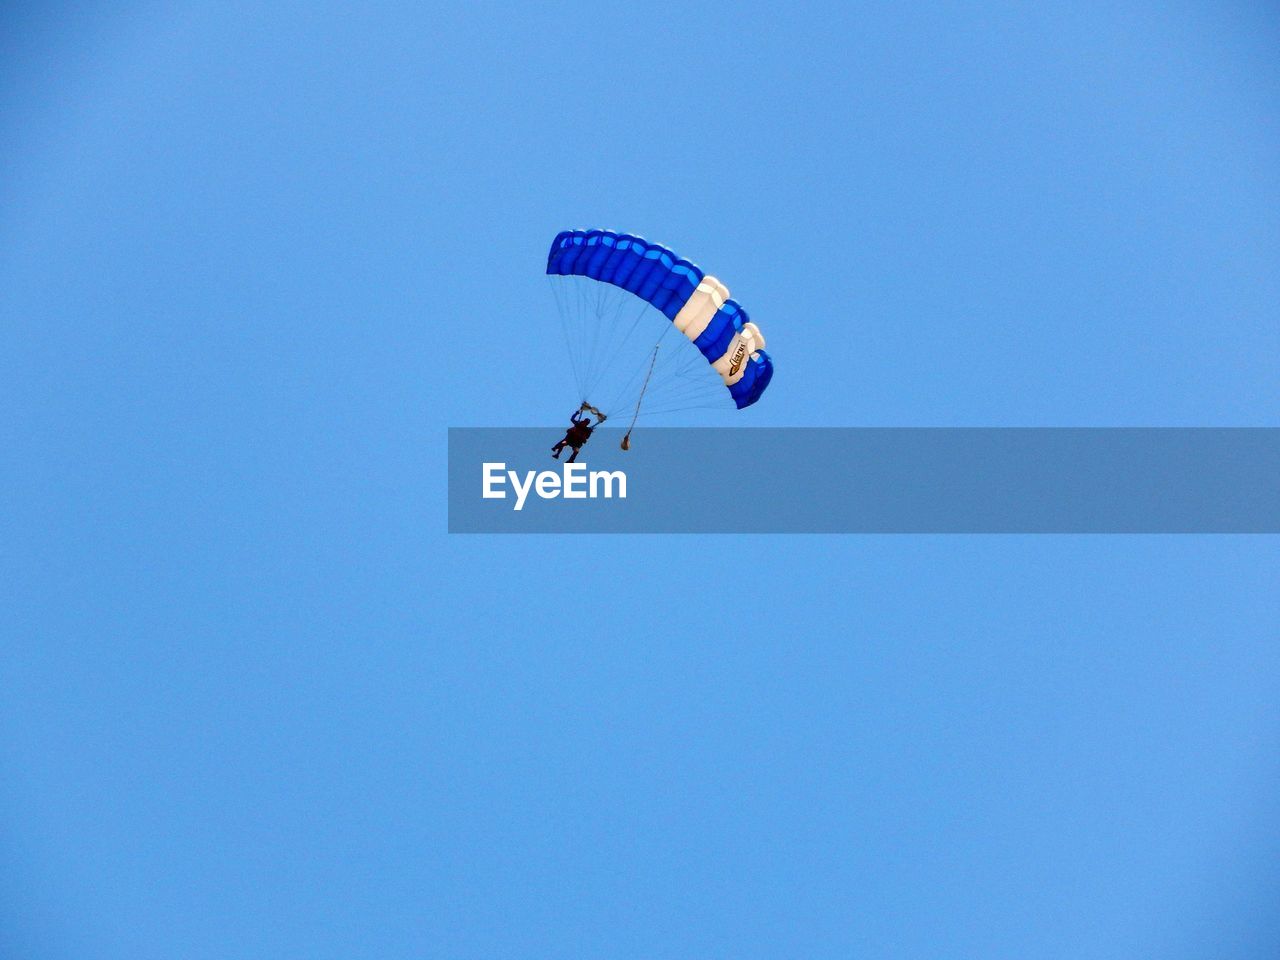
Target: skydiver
pixel 575 436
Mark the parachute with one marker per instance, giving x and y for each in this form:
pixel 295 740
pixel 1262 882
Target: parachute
pixel 619 298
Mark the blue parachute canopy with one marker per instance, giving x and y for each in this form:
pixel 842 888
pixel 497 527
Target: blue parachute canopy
pixel 698 304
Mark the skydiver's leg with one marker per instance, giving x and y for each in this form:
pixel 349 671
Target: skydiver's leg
pixel 576 451
pixel 555 451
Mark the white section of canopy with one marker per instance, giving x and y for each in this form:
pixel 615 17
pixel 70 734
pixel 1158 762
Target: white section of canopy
pixel 744 344
pixel 701 307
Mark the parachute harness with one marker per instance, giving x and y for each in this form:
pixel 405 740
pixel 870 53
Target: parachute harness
pixel 588 408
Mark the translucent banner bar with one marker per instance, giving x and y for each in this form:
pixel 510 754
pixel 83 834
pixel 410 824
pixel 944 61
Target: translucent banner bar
pixel 891 480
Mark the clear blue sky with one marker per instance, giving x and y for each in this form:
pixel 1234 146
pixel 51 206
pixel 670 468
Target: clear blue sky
pixel 254 702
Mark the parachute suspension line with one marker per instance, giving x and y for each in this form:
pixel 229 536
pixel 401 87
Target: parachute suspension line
pixel 624 393
pixel 612 355
pixel 562 308
pixel 609 302
pixel 683 408
pixel 617 350
pixel 605 341
pixel 626 440
pixel 576 290
pixel 582 291
pixel 590 329
pixel 582 307
pixel 614 305
pixel 665 378
pixel 594 330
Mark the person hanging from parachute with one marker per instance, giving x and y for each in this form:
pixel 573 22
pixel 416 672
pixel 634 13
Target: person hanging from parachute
pixel 579 432
pixel 620 297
